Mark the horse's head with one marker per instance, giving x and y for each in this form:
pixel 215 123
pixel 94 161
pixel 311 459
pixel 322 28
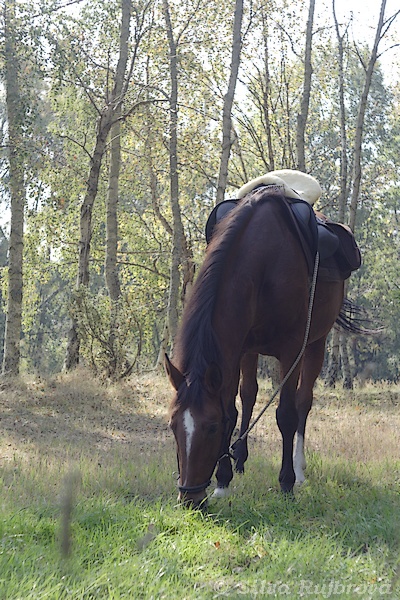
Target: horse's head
pixel 197 420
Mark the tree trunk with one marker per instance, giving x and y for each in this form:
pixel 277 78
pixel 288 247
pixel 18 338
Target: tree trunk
pixel 180 252
pixel 357 171
pixel 346 367
pixel 274 371
pixel 343 133
pixel 228 101
pixel 109 115
pixel 15 117
pixel 333 364
pixel 305 100
pixel 103 129
pixel 111 265
pixel 266 93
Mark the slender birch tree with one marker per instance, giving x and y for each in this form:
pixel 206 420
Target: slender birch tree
pixel 336 337
pixel 108 116
pixel 228 101
pixel 16 156
pixel 305 99
pixel 111 265
pixel 181 254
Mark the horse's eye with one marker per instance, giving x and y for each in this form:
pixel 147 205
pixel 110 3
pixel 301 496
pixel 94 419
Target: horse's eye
pixel 212 429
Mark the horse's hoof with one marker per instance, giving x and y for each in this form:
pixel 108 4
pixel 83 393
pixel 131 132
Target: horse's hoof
pixel 287 489
pixel 299 481
pixel 221 492
pixel 239 469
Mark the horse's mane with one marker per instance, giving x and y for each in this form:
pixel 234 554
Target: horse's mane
pixel 196 346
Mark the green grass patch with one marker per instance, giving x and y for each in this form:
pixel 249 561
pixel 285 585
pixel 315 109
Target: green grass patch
pixel 102 521
pixel 338 537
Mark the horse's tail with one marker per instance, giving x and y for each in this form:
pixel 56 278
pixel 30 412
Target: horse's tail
pixel 356 319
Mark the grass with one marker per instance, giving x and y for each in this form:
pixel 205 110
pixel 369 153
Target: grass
pixel 106 454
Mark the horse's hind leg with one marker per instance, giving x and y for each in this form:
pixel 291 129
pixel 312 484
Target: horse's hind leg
pixel 312 364
pixel 287 420
pixel 248 394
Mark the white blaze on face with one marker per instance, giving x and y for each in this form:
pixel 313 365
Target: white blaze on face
pixel 189 427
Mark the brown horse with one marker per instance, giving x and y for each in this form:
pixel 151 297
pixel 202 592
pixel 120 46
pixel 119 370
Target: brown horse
pixel 251 297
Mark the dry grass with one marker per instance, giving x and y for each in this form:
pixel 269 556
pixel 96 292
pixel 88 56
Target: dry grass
pixel 61 419
pixel 362 425
pixel 52 428
pixel 72 412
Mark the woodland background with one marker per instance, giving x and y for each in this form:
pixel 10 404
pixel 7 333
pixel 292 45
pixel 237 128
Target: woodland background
pixel 122 124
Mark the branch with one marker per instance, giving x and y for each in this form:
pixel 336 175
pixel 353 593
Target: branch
pixel 49 11
pixel 387 49
pixel 82 146
pixel 186 25
pixel 137 105
pixel 290 40
pixel 132 264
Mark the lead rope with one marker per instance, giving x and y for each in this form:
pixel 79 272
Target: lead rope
pixel 292 368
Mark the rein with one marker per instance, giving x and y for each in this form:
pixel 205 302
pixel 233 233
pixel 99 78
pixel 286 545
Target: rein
pixel 292 368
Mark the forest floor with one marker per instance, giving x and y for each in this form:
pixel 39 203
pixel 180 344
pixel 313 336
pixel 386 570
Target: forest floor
pixel 74 413
pixel 88 499
pixel 70 414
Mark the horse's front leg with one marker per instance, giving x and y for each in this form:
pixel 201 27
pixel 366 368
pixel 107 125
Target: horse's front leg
pixel 248 394
pixel 224 473
pixel 312 365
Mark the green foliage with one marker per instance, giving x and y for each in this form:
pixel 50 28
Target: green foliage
pixel 69 58
pixel 111 332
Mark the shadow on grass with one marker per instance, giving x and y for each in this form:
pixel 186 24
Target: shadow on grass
pixel 71 418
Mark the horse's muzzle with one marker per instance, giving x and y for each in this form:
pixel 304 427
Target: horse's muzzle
pixel 190 500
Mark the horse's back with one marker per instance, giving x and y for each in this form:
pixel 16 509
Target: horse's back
pixel 265 280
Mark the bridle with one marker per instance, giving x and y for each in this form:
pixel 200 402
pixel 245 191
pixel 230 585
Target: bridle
pixel 194 489
pixel 230 453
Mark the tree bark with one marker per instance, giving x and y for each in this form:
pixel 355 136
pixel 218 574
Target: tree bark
pixel 228 101
pixel 266 93
pixel 305 100
pixel 111 267
pixel 103 129
pixel 338 340
pixel 109 115
pixel 343 133
pixel 333 365
pixel 15 117
pixel 180 253
pixel 357 170
pixel 346 367
pixel 111 264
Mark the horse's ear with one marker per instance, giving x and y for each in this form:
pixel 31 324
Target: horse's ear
pixel 174 375
pixel 213 378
